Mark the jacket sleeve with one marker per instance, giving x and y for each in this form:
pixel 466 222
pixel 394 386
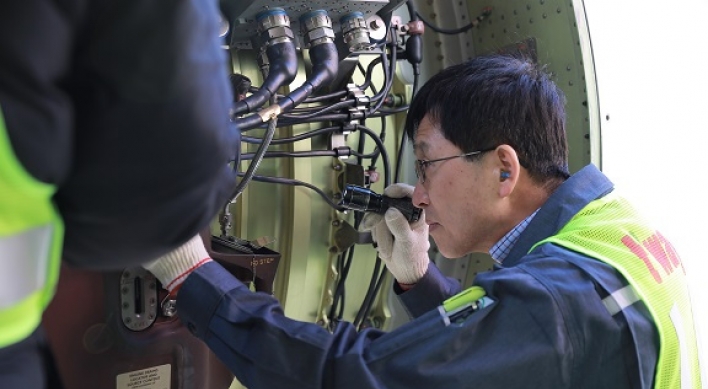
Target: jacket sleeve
pixel 123 106
pixel 265 349
pixel 432 290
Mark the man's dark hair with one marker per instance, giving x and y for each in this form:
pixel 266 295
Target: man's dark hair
pixel 498 99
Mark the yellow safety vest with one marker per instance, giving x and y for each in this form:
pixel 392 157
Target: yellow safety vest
pixel 610 230
pixel 31 235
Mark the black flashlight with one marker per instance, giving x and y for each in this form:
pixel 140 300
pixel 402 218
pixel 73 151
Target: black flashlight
pixel 365 200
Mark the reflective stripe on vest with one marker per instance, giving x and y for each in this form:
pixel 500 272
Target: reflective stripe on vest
pixel 620 299
pixel 31 234
pixel 25 266
pixel 610 230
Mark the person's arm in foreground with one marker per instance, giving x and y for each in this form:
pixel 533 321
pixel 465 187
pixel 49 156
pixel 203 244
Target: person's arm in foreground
pixel 264 349
pixel 124 110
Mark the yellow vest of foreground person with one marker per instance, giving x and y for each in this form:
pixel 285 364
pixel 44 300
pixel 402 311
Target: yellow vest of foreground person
pixel 610 230
pixel 31 234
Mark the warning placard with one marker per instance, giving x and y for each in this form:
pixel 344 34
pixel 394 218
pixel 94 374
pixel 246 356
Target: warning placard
pixel 157 377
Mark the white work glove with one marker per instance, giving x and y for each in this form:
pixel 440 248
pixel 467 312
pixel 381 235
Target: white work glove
pixel 174 267
pixel 402 246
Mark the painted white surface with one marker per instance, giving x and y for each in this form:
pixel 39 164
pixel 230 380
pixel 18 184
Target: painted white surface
pixel 652 73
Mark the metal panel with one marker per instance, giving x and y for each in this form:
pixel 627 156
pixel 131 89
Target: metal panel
pixel 242 14
pixel 552 25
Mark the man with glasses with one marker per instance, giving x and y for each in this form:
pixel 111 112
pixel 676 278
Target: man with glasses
pixel 584 293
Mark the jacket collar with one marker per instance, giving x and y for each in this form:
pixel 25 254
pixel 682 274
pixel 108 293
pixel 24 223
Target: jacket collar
pixel 573 195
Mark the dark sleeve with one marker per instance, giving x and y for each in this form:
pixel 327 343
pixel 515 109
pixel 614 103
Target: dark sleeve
pixel 123 105
pixel 36 43
pixel 265 349
pixel 429 292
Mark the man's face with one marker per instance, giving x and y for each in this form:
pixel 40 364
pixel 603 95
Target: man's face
pixel 459 197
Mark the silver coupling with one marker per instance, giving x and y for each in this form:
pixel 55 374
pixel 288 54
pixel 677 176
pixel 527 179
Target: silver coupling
pixel 316 27
pixel 355 32
pixel 274 26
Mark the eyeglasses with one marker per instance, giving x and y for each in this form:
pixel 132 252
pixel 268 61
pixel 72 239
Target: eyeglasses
pixel 422 164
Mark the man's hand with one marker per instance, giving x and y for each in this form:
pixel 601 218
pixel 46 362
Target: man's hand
pixel 402 246
pixel 174 267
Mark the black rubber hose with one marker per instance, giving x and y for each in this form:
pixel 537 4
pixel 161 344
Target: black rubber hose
pixel 325 65
pixel 282 71
pixel 414 43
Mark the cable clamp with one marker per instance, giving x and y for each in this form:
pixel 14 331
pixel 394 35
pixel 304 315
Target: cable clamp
pixel 269 113
pixel 342 151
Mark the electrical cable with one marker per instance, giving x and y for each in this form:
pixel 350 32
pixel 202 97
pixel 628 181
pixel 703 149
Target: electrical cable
pixel 458 30
pixel 327 97
pixel 294 182
pixel 260 153
pixel 369 71
pixel 311 99
pixel 338 297
pixel 382 151
pixel 371 298
pixel 368 298
pixel 333 107
pixel 388 75
pixel 389 82
pixel 404 136
pixel 334 117
pixel 310 154
pixel 393 111
pixel 382 136
pixel 303 136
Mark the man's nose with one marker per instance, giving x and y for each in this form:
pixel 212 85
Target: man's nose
pixel 420 195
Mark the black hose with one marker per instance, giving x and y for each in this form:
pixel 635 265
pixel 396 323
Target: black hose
pixel 325 65
pixel 282 70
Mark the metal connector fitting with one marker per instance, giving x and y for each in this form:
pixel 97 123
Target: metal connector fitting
pixel 316 27
pixel 271 112
pixel 355 32
pixel 274 26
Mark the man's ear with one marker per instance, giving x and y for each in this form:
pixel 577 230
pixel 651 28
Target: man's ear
pixel 508 168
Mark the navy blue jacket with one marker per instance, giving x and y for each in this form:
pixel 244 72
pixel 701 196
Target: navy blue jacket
pixel 547 326
pixel 123 106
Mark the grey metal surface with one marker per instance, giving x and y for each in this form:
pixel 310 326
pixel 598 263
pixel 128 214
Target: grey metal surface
pixel 242 14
